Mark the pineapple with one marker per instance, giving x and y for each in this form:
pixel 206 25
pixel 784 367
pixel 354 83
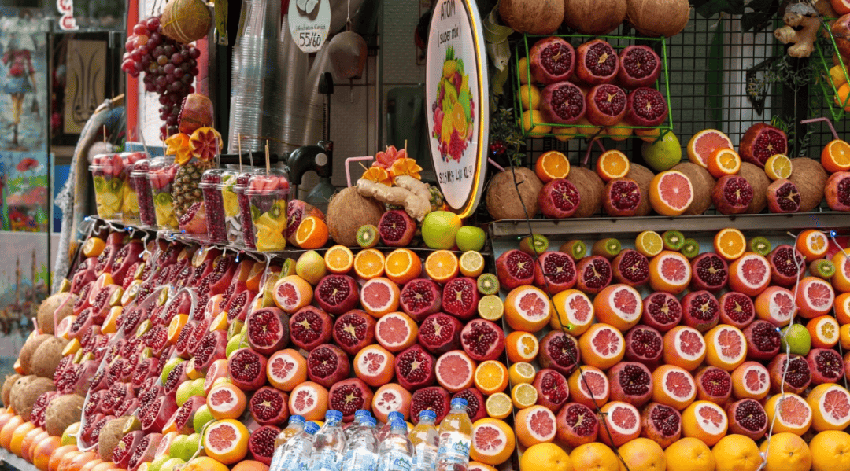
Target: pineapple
pixel 185 191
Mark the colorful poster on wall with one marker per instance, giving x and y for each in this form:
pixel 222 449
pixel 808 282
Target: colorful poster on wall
pixel 23 191
pixel 23 81
pixel 85 82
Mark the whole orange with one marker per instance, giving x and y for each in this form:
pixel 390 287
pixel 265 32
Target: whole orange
pixel 77 462
pixel 33 437
pixel 91 464
pixel 43 451
pixel 18 437
pixel 58 455
pixel 8 429
pixel 62 463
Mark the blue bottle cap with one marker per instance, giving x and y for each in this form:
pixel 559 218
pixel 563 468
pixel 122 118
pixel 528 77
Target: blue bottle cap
pixel 459 402
pixel 427 414
pixel 311 428
pixel 398 424
pixel 394 415
pixel 296 419
pixel 369 421
pixel 333 415
pixel 362 413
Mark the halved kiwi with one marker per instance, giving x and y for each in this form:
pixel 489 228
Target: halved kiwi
pixel 534 244
pixel 608 247
pixel 761 246
pixel 576 249
pixel 488 284
pixel 673 240
pixel 822 268
pixel 690 248
pixel 367 236
pixel 115 185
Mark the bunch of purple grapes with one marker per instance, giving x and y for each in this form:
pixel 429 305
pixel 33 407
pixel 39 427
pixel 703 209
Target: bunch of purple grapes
pixel 170 68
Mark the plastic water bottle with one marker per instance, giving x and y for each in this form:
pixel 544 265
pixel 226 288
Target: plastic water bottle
pixel 355 426
pixel 425 440
pixel 361 451
pixel 455 438
pixel 296 424
pixel 295 454
pixel 329 444
pixel 396 452
pixel 385 430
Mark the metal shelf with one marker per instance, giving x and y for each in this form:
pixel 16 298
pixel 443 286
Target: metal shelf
pixel 10 461
pixel 610 226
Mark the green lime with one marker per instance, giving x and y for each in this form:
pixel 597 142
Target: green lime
pixel 236 342
pixel 690 248
pixel 797 338
pixel 171 465
pixel 663 154
pixel 673 240
pixel 760 245
pixel 156 465
pixel 188 389
pixel 194 442
pixel 234 328
pixel 202 417
pixel 534 244
pixel 470 238
pixel 169 365
pixel 439 229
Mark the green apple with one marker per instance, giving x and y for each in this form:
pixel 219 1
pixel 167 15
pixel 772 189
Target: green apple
pixel 439 229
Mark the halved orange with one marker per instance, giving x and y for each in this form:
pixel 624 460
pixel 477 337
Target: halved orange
pixel 842 308
pixel 312 233
pixel 612 164
pixel 93 247
pixel 552 165
pixel 813 244
pixel 778 166
pixel 369 264
pixel 402 265
pixel 339 259
pixel 491 377
pixel 730 243
pixel 824 331
pixel 835 157
pixel 377 175
pixel 521 346
pixel 704 143
pixel 723 162
pixel 176 326
pixel 441 266
pixel 406 166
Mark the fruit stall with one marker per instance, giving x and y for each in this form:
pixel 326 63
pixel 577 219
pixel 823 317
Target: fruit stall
pixel 627 249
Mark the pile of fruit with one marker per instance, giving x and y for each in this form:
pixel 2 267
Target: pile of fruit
pixel 606 354
pixel 756 177
pixel 587 87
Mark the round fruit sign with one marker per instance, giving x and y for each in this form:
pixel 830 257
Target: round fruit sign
pixel 458 110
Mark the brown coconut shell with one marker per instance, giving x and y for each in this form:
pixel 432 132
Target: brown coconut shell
pixel 15 391
pixel 532 16
pixel 503 200
pixel 7 388
pixel 60 304
pixel 590 187
pixel 186 20
pixel 759 181
pixel 347 211
pixel 62 412
pixel 24 400
pixel 110 435
pixel 643 177
pixel 702 182
pixel 47 356
pixel 810 178
pixel 32 343
pixel 594 16
pixel 659 17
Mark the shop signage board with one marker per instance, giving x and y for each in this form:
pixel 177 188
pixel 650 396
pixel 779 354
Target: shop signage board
pixel 309 23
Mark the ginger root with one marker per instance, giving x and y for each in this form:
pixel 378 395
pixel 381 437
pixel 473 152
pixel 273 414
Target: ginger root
pixel 411 199
pixel 801 28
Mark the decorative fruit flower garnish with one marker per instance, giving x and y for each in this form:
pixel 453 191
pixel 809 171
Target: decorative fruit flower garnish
pixel 206 143
pixel 179 146
pixel 387 158
pixel 378 175
pixel 406 166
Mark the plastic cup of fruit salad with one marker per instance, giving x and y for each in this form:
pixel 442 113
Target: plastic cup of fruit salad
pixel 139 180
pixel 210 186
pixel 130 213
pixel 108 174
pixel 244 206
pixel 232 213
pixel 268 195
pixel 161 177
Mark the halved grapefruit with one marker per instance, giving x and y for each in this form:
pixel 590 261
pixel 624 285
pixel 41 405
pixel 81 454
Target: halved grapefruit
pixel 621 424
pixel 309 400
pixel 589 386
pixel 602 346
pixel 830 404
pixel 792 413
pixel 535 424
pixel 493 441
pixel 684 347
pixel 455 370
pixel 841 279
pixel 726 347
pixel 671 193
pixel 374 365
pixel 751 380
pixel 673 386
pixel 379 296
pixel 573 312
pixel 618 305
pixel 396 331
pixel 704 143
pixel 391 398
pixel 217 370
pixel 226 441
pixel 814 297
pixel 286 369
pixel 292 292
pixel 527 309
pixel 776 304
pixel 749 274
pixel 226 401
pixel 669 272
pixel 706 421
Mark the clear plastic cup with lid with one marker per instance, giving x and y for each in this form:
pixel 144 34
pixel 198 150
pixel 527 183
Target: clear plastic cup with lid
pixel 212 186
pixel 139 180
pixel 131 208
pixel 110 182
pixel 268 194
pixel 161 178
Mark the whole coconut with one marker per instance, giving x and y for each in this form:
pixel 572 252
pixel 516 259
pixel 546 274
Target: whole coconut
pixel 532 16
pixel 594 16
pixel 643 177
pixel 7 388
pixel 590 187
pixel 347 211
pixel 23 402
pixel 759 181
pixel 29 348
pixel 703 183
pixel 47 356
pixel 503 200
pixel 62 304
pixel 810 178
pixel 110 435
pixel 18 387
pixel 62 412
pixel 659 17
pixel 186 20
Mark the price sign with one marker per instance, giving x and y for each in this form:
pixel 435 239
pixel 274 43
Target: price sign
pixel 458 102
pixel 309 23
